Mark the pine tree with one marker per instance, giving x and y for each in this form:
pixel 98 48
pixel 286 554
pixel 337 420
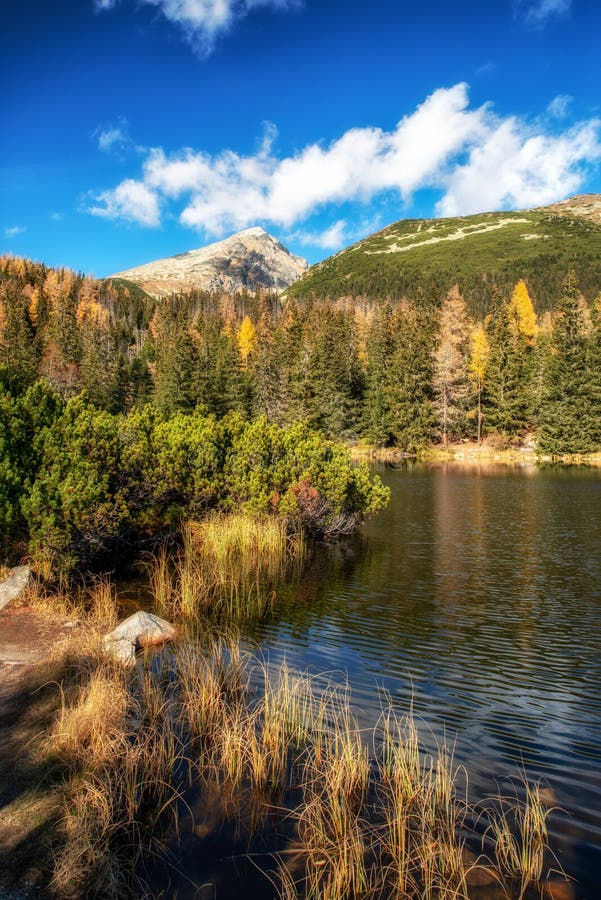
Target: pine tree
pixel 508 396
pixel 594 370
pixel 175 360
pixel 377 417
pixel 270 374
pixel 17 349
pixel 334 377
pixel 139 383
pixel 230 387
pixel 411 413
pixel 478 365
pixel 570 410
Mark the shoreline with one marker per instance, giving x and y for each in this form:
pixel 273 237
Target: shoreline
pixel 470 453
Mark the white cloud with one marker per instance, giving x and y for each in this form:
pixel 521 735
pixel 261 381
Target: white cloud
pixel 113 138
pixel 57 216
pixel 14 231
pixel 202 21
pixel 559 106
pixel 537 13
pixel 332 238
pixel 478 159
pixel 512 169
pixel 340 234
pixel 131 201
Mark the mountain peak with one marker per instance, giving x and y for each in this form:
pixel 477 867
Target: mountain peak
pixel 584 206
pixel 249 260
pixel 254 231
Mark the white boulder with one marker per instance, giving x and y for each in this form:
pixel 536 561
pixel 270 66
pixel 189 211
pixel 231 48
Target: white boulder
pixel 122 651
pixel 15 585
pixel 143 629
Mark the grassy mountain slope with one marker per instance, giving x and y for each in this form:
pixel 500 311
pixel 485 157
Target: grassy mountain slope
pixel 134 289
pixel 426 257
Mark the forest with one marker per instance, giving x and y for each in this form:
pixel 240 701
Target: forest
pixel 120 413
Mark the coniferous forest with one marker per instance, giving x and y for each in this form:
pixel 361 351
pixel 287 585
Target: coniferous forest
pixel 120 411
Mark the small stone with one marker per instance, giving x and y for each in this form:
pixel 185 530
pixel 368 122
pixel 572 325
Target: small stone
pixel 15 585
pixel 74 624
pixel 143 629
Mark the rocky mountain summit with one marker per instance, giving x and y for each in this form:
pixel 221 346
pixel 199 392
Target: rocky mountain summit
pixel 584 206
pixel 247 261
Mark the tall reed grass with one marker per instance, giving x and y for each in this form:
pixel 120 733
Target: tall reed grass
pixel 367 814
pixel 96 603
pixel 228 562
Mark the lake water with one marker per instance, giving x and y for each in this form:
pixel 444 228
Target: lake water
pixel 475 597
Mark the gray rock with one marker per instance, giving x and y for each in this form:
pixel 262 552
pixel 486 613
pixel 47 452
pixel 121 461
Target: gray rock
pixel 143 629
pixel 15 585
pixel 122 651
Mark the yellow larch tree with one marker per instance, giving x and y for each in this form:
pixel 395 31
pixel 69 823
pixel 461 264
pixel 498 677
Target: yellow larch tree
pixel 522 312
pixel 247 337
pixel 89 309
pixel 478 364
pixel 31 296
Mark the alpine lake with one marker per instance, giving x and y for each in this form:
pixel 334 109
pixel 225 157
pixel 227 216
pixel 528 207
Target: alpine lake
pixel 473 600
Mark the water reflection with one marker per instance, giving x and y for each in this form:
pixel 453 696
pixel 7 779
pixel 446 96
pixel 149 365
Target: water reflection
pixel 476 596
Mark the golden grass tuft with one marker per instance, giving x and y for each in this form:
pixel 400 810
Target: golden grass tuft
pixel 252 740
pixel 86 730
pixel 228 562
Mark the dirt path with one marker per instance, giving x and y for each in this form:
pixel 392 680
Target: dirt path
pixel 27 639
pixel 29 794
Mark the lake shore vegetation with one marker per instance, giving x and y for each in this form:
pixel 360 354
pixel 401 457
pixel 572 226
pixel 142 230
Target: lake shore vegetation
pixel 207 732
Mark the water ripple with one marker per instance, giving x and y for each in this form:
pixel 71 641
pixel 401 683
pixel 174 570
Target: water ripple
pixel 477 598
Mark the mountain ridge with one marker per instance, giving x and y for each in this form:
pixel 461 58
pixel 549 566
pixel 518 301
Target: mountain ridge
pixel 484 254
pixel 249 260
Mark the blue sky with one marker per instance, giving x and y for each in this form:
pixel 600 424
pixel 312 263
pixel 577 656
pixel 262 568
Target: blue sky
pixel 135 129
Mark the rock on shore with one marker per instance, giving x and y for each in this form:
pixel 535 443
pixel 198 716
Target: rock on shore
pixel 141 630
pixel 15 585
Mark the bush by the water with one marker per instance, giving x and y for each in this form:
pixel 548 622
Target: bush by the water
pixel 78 481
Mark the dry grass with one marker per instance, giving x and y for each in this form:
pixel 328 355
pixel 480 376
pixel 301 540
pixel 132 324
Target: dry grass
pixel 367 814
pixel 95 604
pixel 386 823
pixel 118 739
pixel 230 563
pixel 89 728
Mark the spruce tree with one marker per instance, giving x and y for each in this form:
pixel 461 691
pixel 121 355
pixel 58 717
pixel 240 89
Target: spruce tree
pixel 334 376
pixel 508 398
pixel 175 360
pixel 377 418
pixel 570 410
pixel 409 375
pixel 17 349
pixel 270 374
